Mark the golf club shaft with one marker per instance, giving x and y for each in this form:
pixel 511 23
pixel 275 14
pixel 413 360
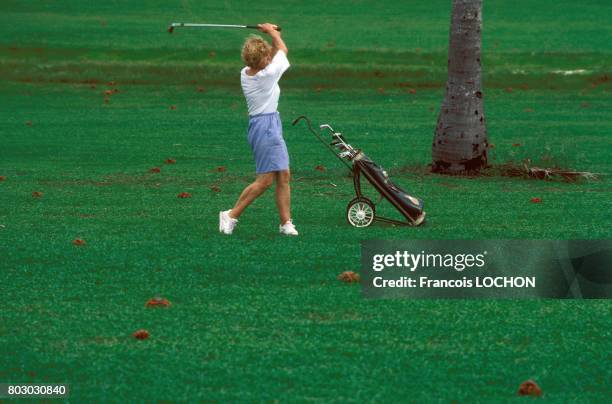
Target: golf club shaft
pixel 195 25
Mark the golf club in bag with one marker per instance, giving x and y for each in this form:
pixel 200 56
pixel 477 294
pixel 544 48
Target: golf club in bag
pixel 361 211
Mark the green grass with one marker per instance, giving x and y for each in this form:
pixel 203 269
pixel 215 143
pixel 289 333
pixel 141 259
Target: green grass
pixel 254 316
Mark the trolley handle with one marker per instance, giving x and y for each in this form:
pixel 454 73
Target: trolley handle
pixel 318 136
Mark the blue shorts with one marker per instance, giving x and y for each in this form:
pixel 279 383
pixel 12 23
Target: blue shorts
pixel 266 140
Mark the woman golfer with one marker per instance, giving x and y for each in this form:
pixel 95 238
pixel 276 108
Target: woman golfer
pixel 265 65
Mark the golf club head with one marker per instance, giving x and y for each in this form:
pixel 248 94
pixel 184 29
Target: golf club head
pixel 337 138
pixel 326 126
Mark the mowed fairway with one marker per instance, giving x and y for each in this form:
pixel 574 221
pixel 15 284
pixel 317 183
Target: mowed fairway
pixel 256 316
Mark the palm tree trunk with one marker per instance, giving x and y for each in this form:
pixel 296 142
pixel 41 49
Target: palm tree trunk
pixel 460 141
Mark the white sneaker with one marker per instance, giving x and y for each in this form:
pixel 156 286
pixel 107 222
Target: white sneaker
pixel 226 223
pixel 288 229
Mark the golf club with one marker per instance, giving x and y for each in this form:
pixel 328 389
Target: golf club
pixel 194 25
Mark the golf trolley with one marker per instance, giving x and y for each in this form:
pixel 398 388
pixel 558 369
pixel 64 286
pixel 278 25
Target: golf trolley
pixel 361 211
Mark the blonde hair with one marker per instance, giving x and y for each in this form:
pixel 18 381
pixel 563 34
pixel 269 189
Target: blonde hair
pixel 255 51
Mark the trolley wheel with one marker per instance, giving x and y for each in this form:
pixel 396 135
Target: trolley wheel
pixel 360 212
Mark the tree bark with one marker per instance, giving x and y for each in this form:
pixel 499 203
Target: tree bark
pixel 460 142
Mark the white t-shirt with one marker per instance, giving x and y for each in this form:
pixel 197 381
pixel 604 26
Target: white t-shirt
pixel 261 90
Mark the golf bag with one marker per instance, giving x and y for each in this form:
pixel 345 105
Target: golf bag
pixel 361 211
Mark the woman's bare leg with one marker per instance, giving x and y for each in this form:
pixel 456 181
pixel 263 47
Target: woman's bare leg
pixel 283 195
pixel 250 193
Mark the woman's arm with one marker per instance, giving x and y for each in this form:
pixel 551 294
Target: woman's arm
pixel 277 41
